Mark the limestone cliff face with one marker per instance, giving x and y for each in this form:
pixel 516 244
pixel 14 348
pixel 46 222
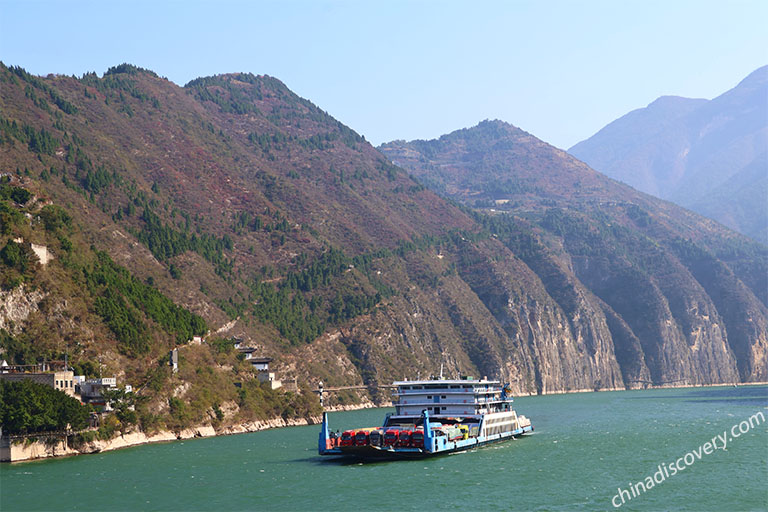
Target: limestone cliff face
pixel 563 350
pixel 17 305
pixel 600 286
pixel 492 318
pixel 679 332
pixel 255 209
pixel 742 314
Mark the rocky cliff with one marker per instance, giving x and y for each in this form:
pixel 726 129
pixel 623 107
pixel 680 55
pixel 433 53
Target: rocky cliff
pixel 257 211
pixel 639 284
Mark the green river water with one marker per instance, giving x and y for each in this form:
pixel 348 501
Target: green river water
pixel 586 446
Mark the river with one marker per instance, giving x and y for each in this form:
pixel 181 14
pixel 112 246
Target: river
pixel 587 448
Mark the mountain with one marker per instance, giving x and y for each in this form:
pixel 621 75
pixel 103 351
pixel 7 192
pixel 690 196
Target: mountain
pixel 234 206
pixel 651 274
pixel 707 155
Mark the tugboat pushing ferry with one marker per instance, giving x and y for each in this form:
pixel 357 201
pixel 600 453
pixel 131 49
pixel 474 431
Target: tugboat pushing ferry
pixel 433 417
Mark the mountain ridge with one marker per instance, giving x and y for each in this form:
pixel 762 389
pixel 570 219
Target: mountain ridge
pixel 688 155
pixel 259 212
pixel 583 217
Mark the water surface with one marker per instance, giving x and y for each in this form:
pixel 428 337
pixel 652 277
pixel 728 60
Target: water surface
pixel 586 446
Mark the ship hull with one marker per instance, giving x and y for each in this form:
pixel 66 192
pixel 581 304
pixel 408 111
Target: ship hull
pixel 441 416
pixel 369 452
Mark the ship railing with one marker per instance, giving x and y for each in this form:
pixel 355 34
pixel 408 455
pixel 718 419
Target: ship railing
pixel 490 400
pixel 446 401
pixel 488 396
pixel 434 392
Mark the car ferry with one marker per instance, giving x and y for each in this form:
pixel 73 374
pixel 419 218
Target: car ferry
pixel 433 417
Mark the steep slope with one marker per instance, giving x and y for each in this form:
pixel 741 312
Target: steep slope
pixel 737 201
pixel 705 155
pixel 60 298
pixel 253 208
pixel 657 273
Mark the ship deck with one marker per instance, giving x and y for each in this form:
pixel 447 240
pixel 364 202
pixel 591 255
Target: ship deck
pixel 443 448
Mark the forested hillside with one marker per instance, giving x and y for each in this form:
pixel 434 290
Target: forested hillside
pixel 681 296
pixel 233 205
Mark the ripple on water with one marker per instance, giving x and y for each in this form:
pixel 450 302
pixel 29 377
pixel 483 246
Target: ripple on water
pixel 586 446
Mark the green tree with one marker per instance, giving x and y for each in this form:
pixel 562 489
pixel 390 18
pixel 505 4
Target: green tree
pixel 55 217
pixel 28 407
pixel 14 255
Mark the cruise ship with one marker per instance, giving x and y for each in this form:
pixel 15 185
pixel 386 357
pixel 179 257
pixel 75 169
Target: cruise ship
pixel 433 417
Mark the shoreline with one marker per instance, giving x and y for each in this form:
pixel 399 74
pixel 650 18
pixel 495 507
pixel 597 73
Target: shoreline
pixel 648 388
pixel 23 451
pixel 45 446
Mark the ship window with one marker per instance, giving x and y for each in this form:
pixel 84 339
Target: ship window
pixel 429 397
pixel 443 408
pixel 442 396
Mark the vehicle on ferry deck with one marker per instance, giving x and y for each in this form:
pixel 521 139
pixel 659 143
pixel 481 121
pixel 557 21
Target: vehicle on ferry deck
pixel 390 437
pixel 432 417
pixel 347 438
pixel 376 437
pixel 404 437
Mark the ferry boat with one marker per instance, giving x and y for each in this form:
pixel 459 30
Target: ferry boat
pixel 433 417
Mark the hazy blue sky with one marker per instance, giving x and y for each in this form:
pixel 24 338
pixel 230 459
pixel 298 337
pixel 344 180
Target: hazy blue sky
pixel 394 69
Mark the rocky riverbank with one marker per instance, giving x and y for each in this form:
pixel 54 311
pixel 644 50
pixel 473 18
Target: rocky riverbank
pixel 32 448
pixel 41 447
pixel 19 450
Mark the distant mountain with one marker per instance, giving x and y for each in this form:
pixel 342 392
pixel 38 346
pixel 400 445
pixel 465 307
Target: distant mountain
pixel 655 274
pixel 709 156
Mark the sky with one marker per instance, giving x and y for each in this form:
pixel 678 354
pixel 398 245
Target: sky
pixel 393 69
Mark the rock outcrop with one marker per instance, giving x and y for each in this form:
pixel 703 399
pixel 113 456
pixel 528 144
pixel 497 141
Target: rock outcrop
pixel 253 208
pixel 617 289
